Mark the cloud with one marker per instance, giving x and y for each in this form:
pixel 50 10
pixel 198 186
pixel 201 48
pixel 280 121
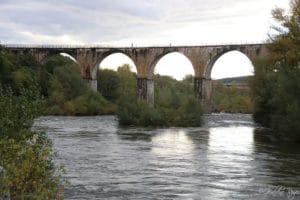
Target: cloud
pixel 36 38
pixel 137 21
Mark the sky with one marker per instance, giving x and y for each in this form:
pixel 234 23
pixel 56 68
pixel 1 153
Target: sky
pixel 141 23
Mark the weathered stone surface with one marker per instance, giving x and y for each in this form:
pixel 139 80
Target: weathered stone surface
pixel 198 87
pixel 142 88
pixel 93 84
pixel 145 59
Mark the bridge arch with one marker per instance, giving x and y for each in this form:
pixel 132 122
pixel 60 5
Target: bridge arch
pixel 207 80
pixel 52 64
pixel 148 82
pixel 168 52
pixel 106 55
pixel 68 56
pixel 43 57
pixel 212 62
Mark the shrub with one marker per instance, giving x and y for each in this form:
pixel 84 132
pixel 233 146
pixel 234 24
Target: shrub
pixel 132 112
pixel 108 84
pixel 192 113
pixel 27 170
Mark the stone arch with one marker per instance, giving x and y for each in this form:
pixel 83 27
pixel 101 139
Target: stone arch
pixel 165 53
pixel 147 82
pixel 212 62
pixel 58 53
pixel 68 56
pixel 41 57
pixel 207 82
pixel 107 54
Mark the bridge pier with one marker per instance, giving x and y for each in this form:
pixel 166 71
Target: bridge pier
pixel 203 90
pixel 198 87
pixel 93 84
pixel 207 95
pixel 145 91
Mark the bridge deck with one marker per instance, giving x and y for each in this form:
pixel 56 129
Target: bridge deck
pixel 99 46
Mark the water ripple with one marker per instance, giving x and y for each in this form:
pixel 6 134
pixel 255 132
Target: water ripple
pixel 225 159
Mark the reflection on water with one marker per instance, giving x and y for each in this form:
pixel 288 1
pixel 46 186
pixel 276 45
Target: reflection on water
pixel 230 154
pixel 172 143
pixel 225 159
pixel 231 139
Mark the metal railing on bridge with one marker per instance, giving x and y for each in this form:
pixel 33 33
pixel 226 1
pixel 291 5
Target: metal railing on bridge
pixel 70 46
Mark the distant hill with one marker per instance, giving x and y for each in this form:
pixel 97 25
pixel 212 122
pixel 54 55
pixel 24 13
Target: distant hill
pixel 241 80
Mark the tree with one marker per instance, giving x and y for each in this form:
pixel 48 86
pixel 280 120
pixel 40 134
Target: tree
pixel 275 86
pixel 69 93
pixel 128 86
pixel 27 170
pixel 6 67
pixel 108 84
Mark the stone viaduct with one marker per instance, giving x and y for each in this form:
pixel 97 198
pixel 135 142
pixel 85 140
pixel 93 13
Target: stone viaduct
pixel 145 58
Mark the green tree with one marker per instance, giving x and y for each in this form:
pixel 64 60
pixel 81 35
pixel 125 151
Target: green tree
pixel 175 105
pixel 133 112
pixel 276 81
pixel 18 71
pixel 52 62
pixel 262 90
pixel 27 170
pixel 69 93
pixel 108 84
pixel 71 80
pixel 128 81
pixel 231 99
pixel 192 113
pixel 6 67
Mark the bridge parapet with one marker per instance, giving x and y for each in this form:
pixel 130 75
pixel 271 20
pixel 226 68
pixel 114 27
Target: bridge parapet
pixel 101 46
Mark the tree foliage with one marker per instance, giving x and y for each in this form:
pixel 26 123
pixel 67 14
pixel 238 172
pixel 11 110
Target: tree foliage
pixel 131 112
pixel 114 85
pixel 275 86
pixel 69 93
pixel 128 86
pixel 108 84
pixel 27 170
pixel 231 99
pixel 18 111
pixel 175 105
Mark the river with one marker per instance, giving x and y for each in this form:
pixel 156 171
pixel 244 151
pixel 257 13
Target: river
pixel 228 158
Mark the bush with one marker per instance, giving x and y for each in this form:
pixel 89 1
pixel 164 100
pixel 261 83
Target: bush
pixel 18 111
pixel 231 99
pixel 134 113
pixel 275 86
pixel 108 84
pixel 69 93
pixel 27 170
pixel 89 103
pixel 192 113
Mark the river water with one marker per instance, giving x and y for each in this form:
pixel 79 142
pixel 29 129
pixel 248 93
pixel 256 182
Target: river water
pixel 228 158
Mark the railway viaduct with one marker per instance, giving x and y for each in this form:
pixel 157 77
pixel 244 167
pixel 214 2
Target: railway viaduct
pixel 145 59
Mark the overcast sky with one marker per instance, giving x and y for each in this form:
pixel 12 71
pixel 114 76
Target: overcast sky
pixel 137 21
pixel 141 22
